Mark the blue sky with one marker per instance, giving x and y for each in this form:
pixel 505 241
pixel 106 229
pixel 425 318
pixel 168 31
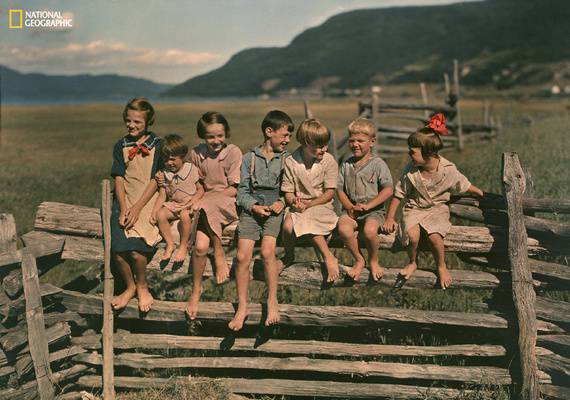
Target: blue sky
pixel 166 41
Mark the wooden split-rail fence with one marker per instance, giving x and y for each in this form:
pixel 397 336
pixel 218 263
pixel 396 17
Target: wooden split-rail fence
pixel 58 341
pixel 396 121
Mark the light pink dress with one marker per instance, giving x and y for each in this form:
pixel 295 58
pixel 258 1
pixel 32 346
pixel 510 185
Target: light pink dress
pixel 218 172
pixel 425 200
pixel 180 187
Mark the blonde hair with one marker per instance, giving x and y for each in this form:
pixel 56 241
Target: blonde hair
pixel 362 125
pixel 142 105
pixel 313 132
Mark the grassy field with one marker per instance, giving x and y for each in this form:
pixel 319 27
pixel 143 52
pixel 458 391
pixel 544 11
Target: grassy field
pixel 61 153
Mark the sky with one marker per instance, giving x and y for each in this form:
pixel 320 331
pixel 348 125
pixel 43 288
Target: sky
pixel 165 41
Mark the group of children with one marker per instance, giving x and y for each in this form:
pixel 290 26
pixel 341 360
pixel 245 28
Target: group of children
pixel 160 181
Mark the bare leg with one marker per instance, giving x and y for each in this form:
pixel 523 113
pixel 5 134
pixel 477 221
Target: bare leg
pixel 163 218
pixel 126 273
pixel 145 298
pixel 184 230
pixel 438 251
pixel 346 229
pixel 288 235
pixel 330 260
pixel 222 268
pixel 414 240
pixel 244 254
pixel 370 232
pixel 199 255
pixel 268 246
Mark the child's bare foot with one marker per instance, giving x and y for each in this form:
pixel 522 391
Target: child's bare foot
pixel 273 316
pixel 222 269
pixel 332 269
pixel 444 277
pixel 123 299
pixel 181 254
pixel 356 269
pixel 145 299
pixel 408 270
pixel 168 250
pixel 239 318
pixel 376 271
pixel 192 306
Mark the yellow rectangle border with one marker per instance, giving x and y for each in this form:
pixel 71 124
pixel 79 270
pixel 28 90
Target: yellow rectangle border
pixel 11 18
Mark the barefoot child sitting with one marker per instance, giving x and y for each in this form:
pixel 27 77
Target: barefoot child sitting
pixel 219 165
pixel 133 238
pixel 309 183
pixel 364 184
pixel 178 197
pixel 262 212
pixel 425 187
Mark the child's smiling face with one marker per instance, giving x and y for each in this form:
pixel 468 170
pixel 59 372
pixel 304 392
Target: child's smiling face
pixel 135 122
pixel 360 144
pixel 278 139
pixel 215 137
pixel 174 163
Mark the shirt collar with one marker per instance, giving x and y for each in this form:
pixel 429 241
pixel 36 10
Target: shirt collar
pixel 151 141
pixel 259 153
pixel 203 153
pixel 182 172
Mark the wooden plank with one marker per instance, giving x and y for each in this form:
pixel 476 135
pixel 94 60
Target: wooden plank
pixel 559 344
pixel 24 364
pixel 523 292
pixel 329 316
pixel 36 327
pixel 412 106
pixel 66 219
pixel 499 217
pixel 324 389
pixel 108 368
pixel 17 338
pixel 16 308
pixel 555 311
pixel 456 91
pixel 555 392
pixel 41 249
pixel 8 233
pixel 492 200
pixel 363 369
pixel 12 283
pixel 130 341
pixel 556 366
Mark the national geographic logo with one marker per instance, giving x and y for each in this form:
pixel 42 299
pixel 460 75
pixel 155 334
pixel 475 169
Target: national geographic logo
pixel 19 19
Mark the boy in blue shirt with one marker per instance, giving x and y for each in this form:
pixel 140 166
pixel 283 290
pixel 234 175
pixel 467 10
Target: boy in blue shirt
pixel 262 212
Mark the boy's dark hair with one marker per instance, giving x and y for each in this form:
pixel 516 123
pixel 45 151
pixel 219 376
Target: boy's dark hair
pixel 173 146
pixel 427 140
pixel 209 118
pixel 275 119
pixel 143 105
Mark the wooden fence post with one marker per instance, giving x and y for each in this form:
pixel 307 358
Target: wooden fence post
pixel 36 326
pixel 423 91
pixel 447 88
pixel 375 104
pixel 308 112
pixel 108 370
pixel 523 292
pixel 457 104
pixel 8 235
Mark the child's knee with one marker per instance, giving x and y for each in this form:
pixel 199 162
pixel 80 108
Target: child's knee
pixel 201 248
pixel 370 230
pixel 345 229
pixel 138 257
pixel 243 257
pixel 267 252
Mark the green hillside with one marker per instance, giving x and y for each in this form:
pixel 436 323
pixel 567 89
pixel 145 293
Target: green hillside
pixel 501 42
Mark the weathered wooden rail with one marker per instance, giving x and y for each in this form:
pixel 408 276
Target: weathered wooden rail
pixel 519 339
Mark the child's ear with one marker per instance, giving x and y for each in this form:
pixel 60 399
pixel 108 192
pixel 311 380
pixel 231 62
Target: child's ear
pixel 268 131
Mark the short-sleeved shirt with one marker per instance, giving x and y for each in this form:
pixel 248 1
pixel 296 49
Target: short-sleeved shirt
pixel 264 179
pixel 362 183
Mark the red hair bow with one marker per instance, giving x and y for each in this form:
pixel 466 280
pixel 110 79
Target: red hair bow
pixel 139 148
pixel 437 124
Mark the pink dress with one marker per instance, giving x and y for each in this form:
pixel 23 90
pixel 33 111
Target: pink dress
pixel 180 187
pixel 218 172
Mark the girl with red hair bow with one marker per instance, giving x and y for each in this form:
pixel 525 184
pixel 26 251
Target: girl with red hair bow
pixel 424 188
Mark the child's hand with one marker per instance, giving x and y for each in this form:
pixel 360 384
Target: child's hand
pixel 122 218
pixel 262 211
pixel 132 216
pixel 350 212
pixel 389 226
pixel 153 218
pixel 359 208
pixel 277 207
pixel 160 179
pixel 299 205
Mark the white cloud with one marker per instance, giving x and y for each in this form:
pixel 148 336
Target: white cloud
pixel 102 54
